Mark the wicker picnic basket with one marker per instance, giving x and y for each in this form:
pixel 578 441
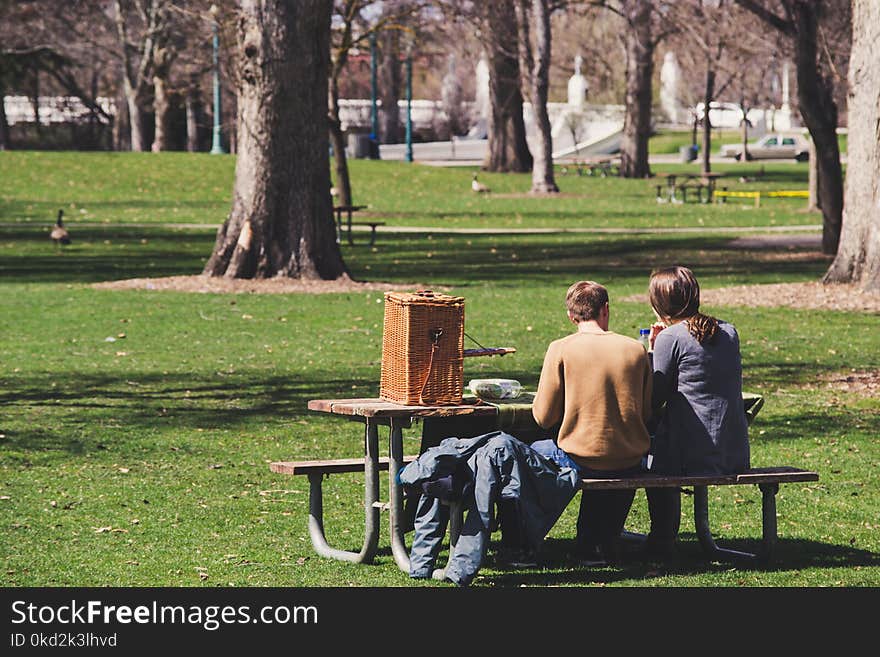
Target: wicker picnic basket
pixel 422 349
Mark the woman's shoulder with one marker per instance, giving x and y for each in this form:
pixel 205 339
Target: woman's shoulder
pixel 727 327
pixel 675 332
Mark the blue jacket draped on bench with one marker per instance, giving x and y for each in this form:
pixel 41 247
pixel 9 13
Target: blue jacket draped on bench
pixel 481 471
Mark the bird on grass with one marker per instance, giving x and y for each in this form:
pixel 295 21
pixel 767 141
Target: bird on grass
pixel 759 174
pixel 477 186
pixel 59 233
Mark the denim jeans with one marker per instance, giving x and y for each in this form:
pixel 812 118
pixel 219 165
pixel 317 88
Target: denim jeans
pixel 603 513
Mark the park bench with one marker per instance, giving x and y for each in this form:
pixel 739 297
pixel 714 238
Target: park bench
pixel 724 194
pixel 767 479
pixel 349 210
pixel 603 167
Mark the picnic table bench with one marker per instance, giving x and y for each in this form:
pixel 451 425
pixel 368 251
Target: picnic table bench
pixel 672 191
pixel 349 210
pixel 481 418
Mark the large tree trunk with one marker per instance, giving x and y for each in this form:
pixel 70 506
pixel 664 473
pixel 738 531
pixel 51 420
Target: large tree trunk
pixel 639 74
pixel 507 148
pixel 538 84
pixel 816 104
pixel 120 132
pixel 819 111
pixel 858 258
pixel 135 120
pixel 707 124
pixel 162 109
pixel 745 157
pixel 281 222
pixel 389 87
pixel 813 205
pixel 4 123
pixel 35 103
pixel 192 117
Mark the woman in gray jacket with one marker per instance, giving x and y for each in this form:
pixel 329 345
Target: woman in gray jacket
pixel 701 426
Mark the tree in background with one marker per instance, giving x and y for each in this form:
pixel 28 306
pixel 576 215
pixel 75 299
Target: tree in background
pixel 507 147
pixel 709 29
pixel 34 60
pixel 534 37
pixel 641 39
pixel 858 258
pixel 390 82
pixel 355 23
pixel 142 28
pixel 281 221
pixel 800 22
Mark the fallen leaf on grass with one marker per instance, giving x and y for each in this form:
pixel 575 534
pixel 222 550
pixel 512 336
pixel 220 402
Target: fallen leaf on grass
pixel 104 530
pixel 124 470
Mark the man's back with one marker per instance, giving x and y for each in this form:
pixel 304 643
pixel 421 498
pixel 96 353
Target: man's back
pixel 598 385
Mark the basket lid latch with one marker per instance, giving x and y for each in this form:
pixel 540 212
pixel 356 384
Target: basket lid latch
pixel 434 334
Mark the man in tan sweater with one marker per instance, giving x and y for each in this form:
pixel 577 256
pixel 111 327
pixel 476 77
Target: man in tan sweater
pixel 596 387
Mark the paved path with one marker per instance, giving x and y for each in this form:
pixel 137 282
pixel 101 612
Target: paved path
pixel 806 228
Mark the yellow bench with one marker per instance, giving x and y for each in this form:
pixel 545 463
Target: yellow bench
pixel 795 193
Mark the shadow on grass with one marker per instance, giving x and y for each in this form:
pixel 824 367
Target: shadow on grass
pixel 79 412
pixel 509 260
pixel 70 405
pixel 790 556
pixel 100 254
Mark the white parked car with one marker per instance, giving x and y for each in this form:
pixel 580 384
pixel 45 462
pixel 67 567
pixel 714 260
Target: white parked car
pixel 772 146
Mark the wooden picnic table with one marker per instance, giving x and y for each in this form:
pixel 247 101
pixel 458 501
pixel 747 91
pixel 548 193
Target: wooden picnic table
pixel 374 413
pixel 349 210
pixel 471 418
pixel 675 189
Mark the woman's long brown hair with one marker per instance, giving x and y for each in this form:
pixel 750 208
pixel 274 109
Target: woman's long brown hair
pixel 675 293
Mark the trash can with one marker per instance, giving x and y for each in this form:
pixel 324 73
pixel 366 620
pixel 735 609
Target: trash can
pixel 359 146
pixel 688 153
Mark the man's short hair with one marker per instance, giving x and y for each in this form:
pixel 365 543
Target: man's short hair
pixel 585 299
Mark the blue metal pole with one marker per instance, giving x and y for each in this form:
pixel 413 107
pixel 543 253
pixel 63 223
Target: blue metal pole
pixel 374 110
pixel 216 146
pixel 409 149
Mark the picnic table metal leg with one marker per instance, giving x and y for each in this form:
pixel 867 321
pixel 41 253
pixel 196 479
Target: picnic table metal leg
pixel 350 241
pixel 395 494
pixel 373 235
pixel 768 519
pixel 371 507
pixel 701 520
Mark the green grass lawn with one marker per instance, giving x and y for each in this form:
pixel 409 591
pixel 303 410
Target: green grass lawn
pixel 143 460
pixel 118 189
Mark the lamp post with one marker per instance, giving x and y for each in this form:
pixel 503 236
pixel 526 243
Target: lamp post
pixel 409 149
pixel 374 111
pixel 216 147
